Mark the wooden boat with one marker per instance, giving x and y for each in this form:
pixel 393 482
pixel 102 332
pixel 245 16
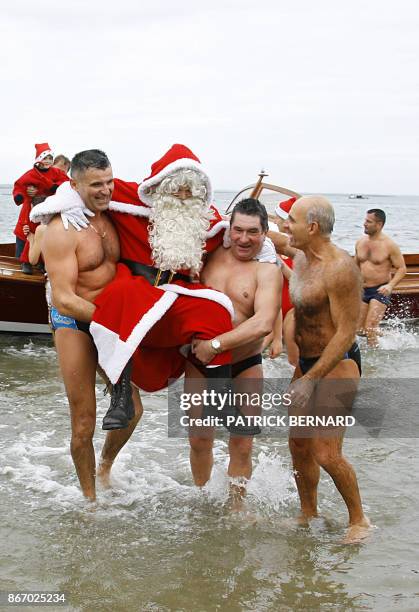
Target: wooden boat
pixel 23 307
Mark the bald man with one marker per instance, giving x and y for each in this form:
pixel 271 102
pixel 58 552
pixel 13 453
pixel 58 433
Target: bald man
pixel 326 291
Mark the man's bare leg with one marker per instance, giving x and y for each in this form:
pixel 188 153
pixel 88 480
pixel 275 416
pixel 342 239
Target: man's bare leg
pixel 326 452
pixel 375 314
pixel 306 474
pixel 77 357
pixel 201 440
pixel 115 440
pixel 240 446
pixel 362 318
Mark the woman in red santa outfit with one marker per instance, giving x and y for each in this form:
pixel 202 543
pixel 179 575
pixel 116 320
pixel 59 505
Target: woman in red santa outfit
pixel 42 180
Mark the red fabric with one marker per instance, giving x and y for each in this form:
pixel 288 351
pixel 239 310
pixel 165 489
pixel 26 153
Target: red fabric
pixel 126 191
pixel 287 305
pixel 176 152
pixel 124 303
pixel 130 314
pixel 42 150
pixel 44 182
pixel 24 258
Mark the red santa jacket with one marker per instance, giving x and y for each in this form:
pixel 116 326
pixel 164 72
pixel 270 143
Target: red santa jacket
pixel 45 181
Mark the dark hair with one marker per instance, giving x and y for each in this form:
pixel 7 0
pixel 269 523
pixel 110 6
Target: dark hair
pixel 253 208
pixel 379 214
pixel 38 200
pixel 93 158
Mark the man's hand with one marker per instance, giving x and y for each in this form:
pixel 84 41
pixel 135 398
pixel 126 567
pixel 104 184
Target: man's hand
pixel 26 229
pixel 385 290
pixel 31 191
pixel 203 350
pixel 275 348
pixel 300 392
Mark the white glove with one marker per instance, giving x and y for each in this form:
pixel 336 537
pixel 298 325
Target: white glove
pixel 77 217
pixel 267 253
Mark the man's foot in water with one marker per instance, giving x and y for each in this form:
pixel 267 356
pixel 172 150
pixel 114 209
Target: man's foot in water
pixel 358 532
pixel 104 473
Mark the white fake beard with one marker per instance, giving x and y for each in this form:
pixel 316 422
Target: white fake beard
pixel 177 232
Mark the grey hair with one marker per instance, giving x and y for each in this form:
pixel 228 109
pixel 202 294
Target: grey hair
pixel 323 216
pixel 183 178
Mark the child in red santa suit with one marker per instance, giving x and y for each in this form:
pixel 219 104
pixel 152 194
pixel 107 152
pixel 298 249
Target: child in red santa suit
pixel 41 180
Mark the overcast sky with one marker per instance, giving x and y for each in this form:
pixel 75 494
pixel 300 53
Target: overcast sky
pixel 324 95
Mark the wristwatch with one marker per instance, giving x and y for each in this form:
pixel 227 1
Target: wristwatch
pixel 216 345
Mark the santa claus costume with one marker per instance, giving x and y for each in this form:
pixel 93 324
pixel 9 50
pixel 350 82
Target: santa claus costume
pixel 46 182
pixel 148 312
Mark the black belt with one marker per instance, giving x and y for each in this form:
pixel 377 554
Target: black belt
pixel 154 276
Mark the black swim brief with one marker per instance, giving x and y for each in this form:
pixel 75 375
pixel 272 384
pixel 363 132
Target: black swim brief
pixel 221 384
pixel 371 293
pixel 306 363
pixel 241 366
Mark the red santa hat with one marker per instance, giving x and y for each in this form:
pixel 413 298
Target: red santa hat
pixel 283 208
pixel 42 150
pixel 178 157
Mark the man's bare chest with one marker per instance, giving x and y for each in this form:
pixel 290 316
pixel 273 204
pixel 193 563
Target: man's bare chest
pixel 308 292
pixel 95 249
pixel 373 252
pixel 236 281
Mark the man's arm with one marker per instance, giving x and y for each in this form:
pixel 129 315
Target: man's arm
pixel 266 306
pixel 344 293
pixel 35 244
pixel 397 261
pixel 59 251
pixel 356 258
pixel 281 243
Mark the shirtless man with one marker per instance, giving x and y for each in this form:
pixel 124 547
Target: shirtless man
pixel 80 264
pixel 376 254
pixel 255 290
pixel 326 292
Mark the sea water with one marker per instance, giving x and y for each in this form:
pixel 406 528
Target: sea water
pixel 158 543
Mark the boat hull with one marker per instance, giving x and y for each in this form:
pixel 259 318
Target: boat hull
pixel 23 307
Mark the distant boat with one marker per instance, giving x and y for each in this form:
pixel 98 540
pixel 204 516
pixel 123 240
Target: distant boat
pixel 358 196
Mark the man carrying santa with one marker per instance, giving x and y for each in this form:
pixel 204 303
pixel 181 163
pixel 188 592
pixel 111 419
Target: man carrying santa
pixel 156 304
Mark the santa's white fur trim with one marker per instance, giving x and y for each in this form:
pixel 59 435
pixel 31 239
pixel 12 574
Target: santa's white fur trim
pixel 217 227
pixel 114 353
pixel 42 155
pixel 132 209
pixel 64 198
pixel 208 294
pixel 179 164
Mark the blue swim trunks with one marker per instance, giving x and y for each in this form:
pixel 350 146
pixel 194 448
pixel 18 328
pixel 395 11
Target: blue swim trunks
pixel 58 321
pixel 371 293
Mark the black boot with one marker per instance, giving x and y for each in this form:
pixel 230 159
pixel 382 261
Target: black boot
pixel 121 410
pixel 27 268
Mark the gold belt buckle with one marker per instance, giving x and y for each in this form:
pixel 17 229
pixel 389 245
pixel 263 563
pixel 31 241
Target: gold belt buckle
pixel 157 279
